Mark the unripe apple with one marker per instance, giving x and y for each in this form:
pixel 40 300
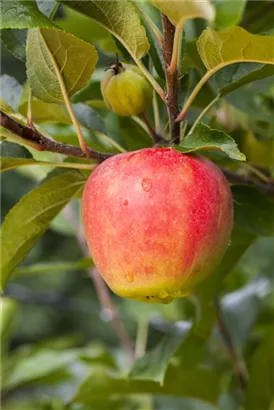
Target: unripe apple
pixel 157 222
pixel 125 90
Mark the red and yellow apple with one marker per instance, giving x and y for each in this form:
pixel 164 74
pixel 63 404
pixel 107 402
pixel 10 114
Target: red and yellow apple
pixel 157 222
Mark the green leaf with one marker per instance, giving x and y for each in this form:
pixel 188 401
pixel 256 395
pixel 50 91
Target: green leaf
pixel 155 54
pixel 235 76
pixel 253 211
pixel 89 118
pixel 40 364
pixel 46 6
pixel 9 149
pixel 154 364
pixel 80 25
pixel 15 42
pixel 230 77
pixel 186 348
pixel 221 48
pixel 11 92
pixel 174 403
pixel 127 132
pixel 228 13
pixel 15 39
pixel 118 17
pixel 154 51
pixel 22 14
pixel 53 57
pixel 240 309
pixel 200 383
pixel 45 112
pixel 261 375
pixel 92 90
pixel 30 217
pixel 240 241
pixel 191 58
pixel 253 103
pixel 53 267
pixel 8 163
pixel 8 309
pixel 259 152
pixel 206 138
pixel 179 11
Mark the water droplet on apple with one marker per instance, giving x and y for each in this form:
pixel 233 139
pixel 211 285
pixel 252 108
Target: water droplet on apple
pixel 125 202
pixel 146 184
pixel 129 277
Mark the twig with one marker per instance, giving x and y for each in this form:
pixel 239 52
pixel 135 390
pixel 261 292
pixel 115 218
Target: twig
pixel 156 113
pixel 111 312
pixel 205 110
pixel 176 53
pixel 40 142
pixel 155 137
pixel 238 364
pixel 141 338
pixel 268 189
pixel 259 174
pixel 108 307
pixel 172 80
pixel 29 113
pixel 44 143
pixel 194 94
pixel 149 77
pixel 150 23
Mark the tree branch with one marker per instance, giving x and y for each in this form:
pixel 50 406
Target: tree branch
pixel 172 80
pixel 268 189
pixel 238 364
pixel 44 143
pixel 157 138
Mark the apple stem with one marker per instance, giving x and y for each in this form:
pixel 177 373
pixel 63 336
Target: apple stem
pixel 172 80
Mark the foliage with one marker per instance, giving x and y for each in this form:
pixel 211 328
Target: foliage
pixel 60 346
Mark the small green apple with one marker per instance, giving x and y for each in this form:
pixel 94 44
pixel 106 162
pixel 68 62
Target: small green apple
pixel 125 90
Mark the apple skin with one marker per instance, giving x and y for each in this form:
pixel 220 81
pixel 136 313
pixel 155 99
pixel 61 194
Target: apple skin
pixel 157 222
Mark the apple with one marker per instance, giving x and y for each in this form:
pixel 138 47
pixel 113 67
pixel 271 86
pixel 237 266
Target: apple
pixel 157 222
pixel 125 90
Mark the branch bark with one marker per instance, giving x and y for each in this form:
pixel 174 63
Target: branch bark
pixel 46 144
pixel 157 138
pixel 172 80
pixel 239 367
pixel 268 189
